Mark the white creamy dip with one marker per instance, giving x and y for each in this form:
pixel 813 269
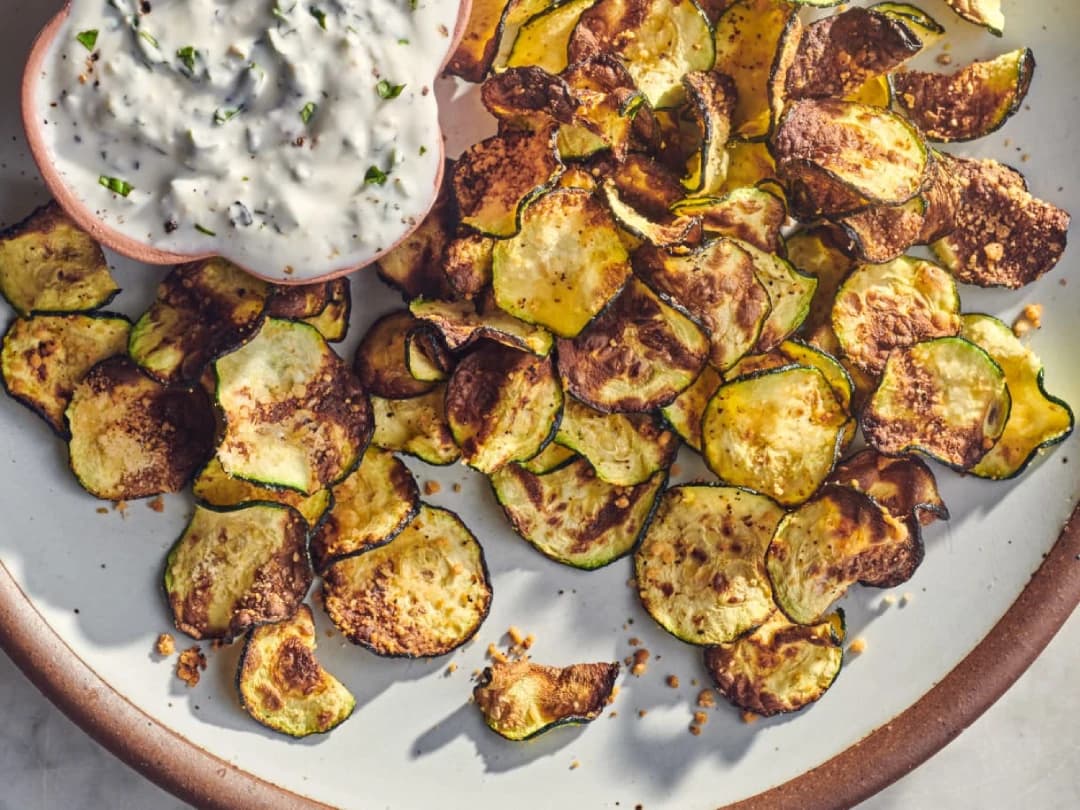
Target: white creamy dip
pixel 294 137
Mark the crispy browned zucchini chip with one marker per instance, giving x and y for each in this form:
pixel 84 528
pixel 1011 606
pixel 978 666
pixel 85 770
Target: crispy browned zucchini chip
pixel 132 437
pixel 502 405
pixel 780 667
pixel 637 356
pixel 610 105
pixel 1003 236
pixel 749 214
pixel 572 516
pixel 542 40
pixel 295 415
pixel 332 320
pixel 381 358
pixel 202 311
pixel 778 432
pixel 521 700
pixel 684 414
pixel 370 507
pixel 643 183
pixel 529 98
pixel 463 323
pixel 1037 420
pixel 45 356
pixel 790 294
pixel 480 41
pixel 423 594
pixel 283 686
pixel 832 542
pixel 986 13
pixel 882 307
pixel 824 252
pixel 840 53
pixel 711 101
pixel 882 233
pixel 668 231
pixel 700 569
pixel 496 178
pixel 468 262
pixel 416 426
pixel 427 356
pixel 717 285
pixel 48 264
pixel 945 398
pixel 925 27
pixel 297 301
pixel 970 103
pixel 904 485
pixel 215 487
pixel 233 569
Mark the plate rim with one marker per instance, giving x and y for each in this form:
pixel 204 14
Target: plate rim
pixel 195 775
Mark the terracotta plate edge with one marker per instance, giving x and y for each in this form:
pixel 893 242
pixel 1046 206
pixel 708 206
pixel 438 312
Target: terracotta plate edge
pixel 854 775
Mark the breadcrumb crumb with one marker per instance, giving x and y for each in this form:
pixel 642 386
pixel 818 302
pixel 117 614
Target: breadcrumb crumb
pixel 495 654
pixel 1029 320
pixel 157 504
pixel 700 718
pixel 857 646
pixel 706 699
pixel 906 598
pixel 635 642
pixel 642 712
pixel 191 662
pixel 121 507
pixel 575 765
pixel 888 599
pixel 101 510
pixel 695 730
pixel 672 681
pixel 639 662
pixel 614 694
pixel 432 487
pixel 165 645
pixel 451 668
pixel 515 635
pixel 456 487
pixel 750 718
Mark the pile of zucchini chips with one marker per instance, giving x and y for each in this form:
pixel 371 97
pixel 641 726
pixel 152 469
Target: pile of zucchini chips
pixel 693 227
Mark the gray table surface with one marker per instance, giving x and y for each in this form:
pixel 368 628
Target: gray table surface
pixel 1023 753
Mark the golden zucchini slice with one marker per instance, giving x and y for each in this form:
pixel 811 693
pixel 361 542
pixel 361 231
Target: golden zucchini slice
pixel 529 98
pixel 945 398
pixel 423 594
pixel 718 286
pixel 1003 236
pixel 215 487
pixel 925 27
pixel 904 486
pixel 777 432
pixel 45 356
pixel 610 103
pixel 883 307
pixel 416 426
pixel 332 320
pixel 748 214
pixel 463 323
pixel 839 378
pixel 839 538
pixel 821 251
pixel 415 267
pixel 472 58
pixel 543 39
pixel 283 686
pixel 502 405
pixel 495 179
pixel 685 413
pixel 637 356
pixel 521 700
pixel 711 101
pixel 548 459
pixel 132 437
pixel 790 295
pixel 700 569
pixel 468 262
pixel 295 415
pixel 780 667
pixel 233 569
pixel 381 358
pixel 48 264
pixel 882 233
pixel 970 103
pixel 370 508
pixel 427 356
pixel 986 13
pixel 666 231
pixel 572 516
pixel 623 449
pixel 1037 420
pixel 659 41
pixel 202 311
pixel 565 264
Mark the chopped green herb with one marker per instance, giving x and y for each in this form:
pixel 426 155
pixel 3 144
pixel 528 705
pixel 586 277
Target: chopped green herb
pixel 319 15
pixel 226 114
pixel 387 90
pixel 423 150
pixel 206 231
pixel 403 41
pixel 413 4
pixel 187 55
pixel 308 112
pixel 116 185
pixel 88 39
pixel 375 176
pixel 149 38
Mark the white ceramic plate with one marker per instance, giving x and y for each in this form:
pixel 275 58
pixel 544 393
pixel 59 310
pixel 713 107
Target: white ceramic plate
pixel 414 741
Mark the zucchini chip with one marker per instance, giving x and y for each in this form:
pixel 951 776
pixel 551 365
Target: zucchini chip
pixel 840 53
pixel 283 686
pixel 502 405
pixel 132 437
pixel 543 39
pixel 565 264
pixel 529 98
pixel 1037 420
pixel 986 13
pixel 610 103
pixel 381 358
pixel 416 426
pixel 749 36
pixel 45 356
pixel 572 516
pixel 700 569
pixel 463 323
pixel 472 58
pixel 838 156
pixel 905 486
pixel 215 487
pixel 659 41
pixel 780 667
pixel 778 432
pixel 1004 237
pixel 718 287
pixel 942 198
pixel 748 214
pixel 839 538
pixel 882 233
pixel 295 415
pixel 839 378
pixel 332 320
pixel 415 266
pixel 945 398
pixel 427 356
pixel 970 103
pixel 48 264
pixel 423 594
pixel 623 449
pixel 925 27
pixel 548 459
pixel 685 413
pixel 467 261
pixel 790 294
pixel 668 232
pixel 370 508
pixel 495 179
pixel 824 252
pixel 637 356
pixel 521 700
pixel 202 311
pixel 234 569
pixel 882 307
pixel 711 101
pixel 297 301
